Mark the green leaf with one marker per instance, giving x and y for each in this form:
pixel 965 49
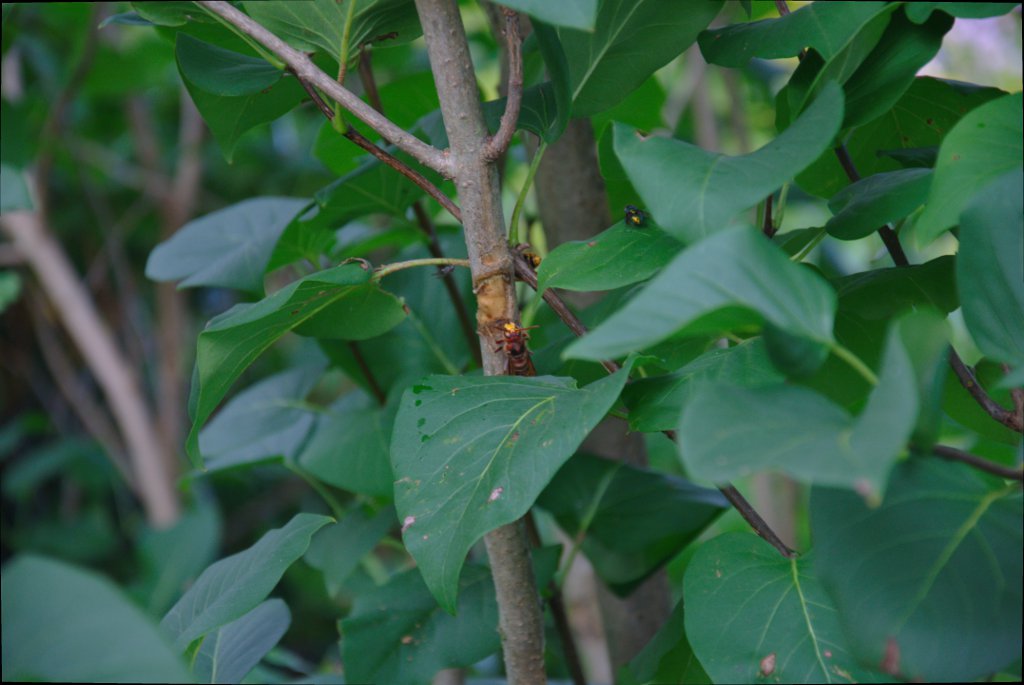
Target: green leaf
pixel 920 11
pixel 223 72
pixel 397 634
pixel 337 549
pixel 886 74
pixel 614 258
pixel 65 624
pixel 920 119
pixel 693 193
pixel 230 117
pixel 552 103
pixel 265 420
pixel 172 13
pixel 882 293
pixel 861 208
pixel 631 40
pixel 233 586
pixel 656 403
pixel 371 188
pixel 318 24
pixel 631 520
pixel 754 616
pixel 14 191
pixel 574 14
pixel 230 652
pixel 340 302
pixel 989 273
pixel 827 27
pixel 735 278
pixel 228 248
pixel 982 146
pixel 667 658
pixel 728 432
pixel 348 446
pixel 937 581
pixel 472 454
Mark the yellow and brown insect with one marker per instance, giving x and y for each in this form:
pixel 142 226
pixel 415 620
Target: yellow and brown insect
pixel 635 217
pixel 531 257
pixel 513 343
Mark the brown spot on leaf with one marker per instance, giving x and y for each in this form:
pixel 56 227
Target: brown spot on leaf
pixel 407 639
pixel 768 665
pixel 891 658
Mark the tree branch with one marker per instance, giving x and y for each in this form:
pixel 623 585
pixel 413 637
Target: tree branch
pixel 385 156
pixel 303 67
pixel 497 145
pixel 953 454
pixel 520 620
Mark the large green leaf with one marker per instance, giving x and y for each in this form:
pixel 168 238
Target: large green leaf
pixel 616 257
pixel 989 271
pixel 223 72
pixel 693 193
pixel 920 119
pixel 348 446
pixel 229 117
pixel 825 26
pixel 397 634
pixel 982 146
pixel 754 616
pixel 732 279
pixel 233 586
pixel 230 652
pixel 880 294
pixel 656 403
pixel 319 24
pixel 336 303
pixel 228 248
pixel 728 432
pixel 631 40
pixel 861 208
pixel 575 14
pixel 886 74
pixel 667 658
pixel 930 581
pixel 472 454
pixel 631 520
pixel 920 11
pixel 264 420
pixel 370 188
pixel 65 624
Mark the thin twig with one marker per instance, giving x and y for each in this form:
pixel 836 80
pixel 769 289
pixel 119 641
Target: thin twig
pixel 499 142
pixel 371 380
pixel 767 227
pixel 303 67
pixel 383 155
pixel 388 269
pixel 1008 418
pixel 953 454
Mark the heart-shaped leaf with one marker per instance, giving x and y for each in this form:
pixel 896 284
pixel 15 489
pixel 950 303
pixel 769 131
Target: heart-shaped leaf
pixel 235 585
pixel 946 542
pixel 693 193
pixel 754 616
pixel 734 278
pixel 472 454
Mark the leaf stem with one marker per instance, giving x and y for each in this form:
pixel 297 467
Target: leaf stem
pixel 513 226
pixel 335 506
pixel 806 250
pixel 388 269
pixel 588 518
pixel 856 363
pixel 953 454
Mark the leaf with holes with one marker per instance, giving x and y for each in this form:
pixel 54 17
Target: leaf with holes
pixel 935 587
pixel 755 616
pixel 472 454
